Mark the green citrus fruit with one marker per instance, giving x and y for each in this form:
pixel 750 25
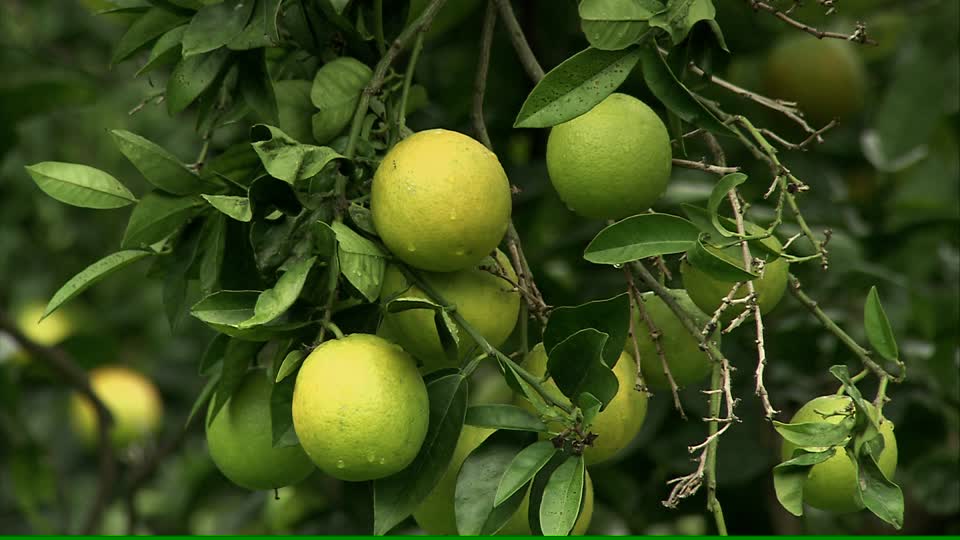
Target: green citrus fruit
pixel 132 400
pixel 825 77
pixel 290 505
pixel 612 161
pixel 832 485
pixel 436 514
pixel 709 292
pixel 440 201
pixel 622 418
pixel 240 439
pixel 687 363
pixel 488 303
pixel 360 407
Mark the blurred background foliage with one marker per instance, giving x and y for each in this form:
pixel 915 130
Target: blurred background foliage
pixel 886 182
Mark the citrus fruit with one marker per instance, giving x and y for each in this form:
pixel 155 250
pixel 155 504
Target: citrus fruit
pixel 487 302
pixel 825 77
pixel 612 161
pixel 132 400
pixel 832 485
pixel 360 407
pixel 440 201
pixel 622 418
pixel 708 292
pixel 50 331
pixel 240 440
pixel 687 363
pixel 289 506
pixel 436 514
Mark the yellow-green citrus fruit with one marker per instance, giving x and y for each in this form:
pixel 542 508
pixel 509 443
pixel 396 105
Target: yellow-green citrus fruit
pixel 132 400
pixel 487 302
pixel 50 331
pixel 831 485
pixel 437 515
pixel 440 201
pixel 825 77
pixel 622 418
pixel 709 292
pixel 360 407
pixel 240 440
pixel 612 161
pixel 290 505
pixel 687 363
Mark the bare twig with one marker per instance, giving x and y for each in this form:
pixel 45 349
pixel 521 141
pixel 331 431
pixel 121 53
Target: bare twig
pixel 524 53
pixel 656 337
pixel 77 378
pixel 704 166
pixel 859 34
pixel 483 67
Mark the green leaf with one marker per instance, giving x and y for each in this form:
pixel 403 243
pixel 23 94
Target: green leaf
pixel 294 109
pixel 262 29
pixel 590 406
pixel 504 416
pixel 361 261
pixel 213 245
pixel 362 218
pixel 205 394
pixel 524 466
pixel 213 354
pixel 276 301
pixel 396 497
pixel 477 485
pixel 192 76
pixel 92 274
pixel 338 5
pixel 816 434
pixel 290 363
pixel 576 86
pixel 722 264
pixel 878 328
pixel 257 88
pixel 151 25
pixel 576 366
pixel 157 216
pixel 165 51
pixel 718 195
pixel 281 414
pixel 790 476
pixel 681 15
pixel 880 495
pixel 236 360
pixel 158 166
pixel 560 505
pixel 639 237
pixel 216 24
pixel 285 158
pixel 758 238
pixel 610 316
pixel 236 207
pixel 335 92
pixel 672 93
pixel 80 185
pixel 614 24
pixel 227 308
pixel 177 275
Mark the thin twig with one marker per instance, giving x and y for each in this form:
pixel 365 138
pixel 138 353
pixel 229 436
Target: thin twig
pixel 656 336
pixel 483 67
pixel 524 53
pixel 704 166
pixel 640 385
pixel 859 35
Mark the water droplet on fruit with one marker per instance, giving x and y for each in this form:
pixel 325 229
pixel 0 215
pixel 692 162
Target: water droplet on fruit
pixel 460 252
pixel 383 460
pixel 453 216
pixel 371 458
pixel 341 464
pixel 411 248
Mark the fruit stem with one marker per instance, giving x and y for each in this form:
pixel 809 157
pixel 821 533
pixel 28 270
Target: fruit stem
pixel 332 326
pixel 378 26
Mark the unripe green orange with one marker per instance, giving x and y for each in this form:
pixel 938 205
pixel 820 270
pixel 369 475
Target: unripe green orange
pixel 133 402
pixel 622 418
pixel 687 363
pixel 487 302
pixel 360 407
pixel 440 201
pixel 240 440
pixel 825 77
pixel 832 485
pixel 612 161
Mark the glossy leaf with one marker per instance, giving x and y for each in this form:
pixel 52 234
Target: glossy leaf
pixel 718 195
pixel 877 327
pixel 229 308
pixel 165 51
pixel 641 236
pixel 148 27
pixel 680 16
pixel 396 497
pixel 157 216
pixel 756 234
pixel 880 495
pixel 816 434
pixel 722 264
pixel 524 466
pixel 361 261
pixel 192 76
pixel 285 158
pixel 213 354
pixel 560 505
pixel 262 30
pixel 335 92
pixel 477 486
pixel 276 301
pixel 790 476
pixel 610 316
pixel 294 109
pixel 614 24
pixel 211 252
pixel 216 24
pixel 80 185
pixel 291 362
pixel 576 86
pixel 672 93
pixel 281 414
pixel 236 359
pixel 92 274
pixel 235 207
pixel 504 416
pixel 177 275
pixel 158 166
pixel 576 366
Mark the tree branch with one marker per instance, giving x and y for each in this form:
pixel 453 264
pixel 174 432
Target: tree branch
pixel 483 67
pixel 859 35
pixel 524 53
